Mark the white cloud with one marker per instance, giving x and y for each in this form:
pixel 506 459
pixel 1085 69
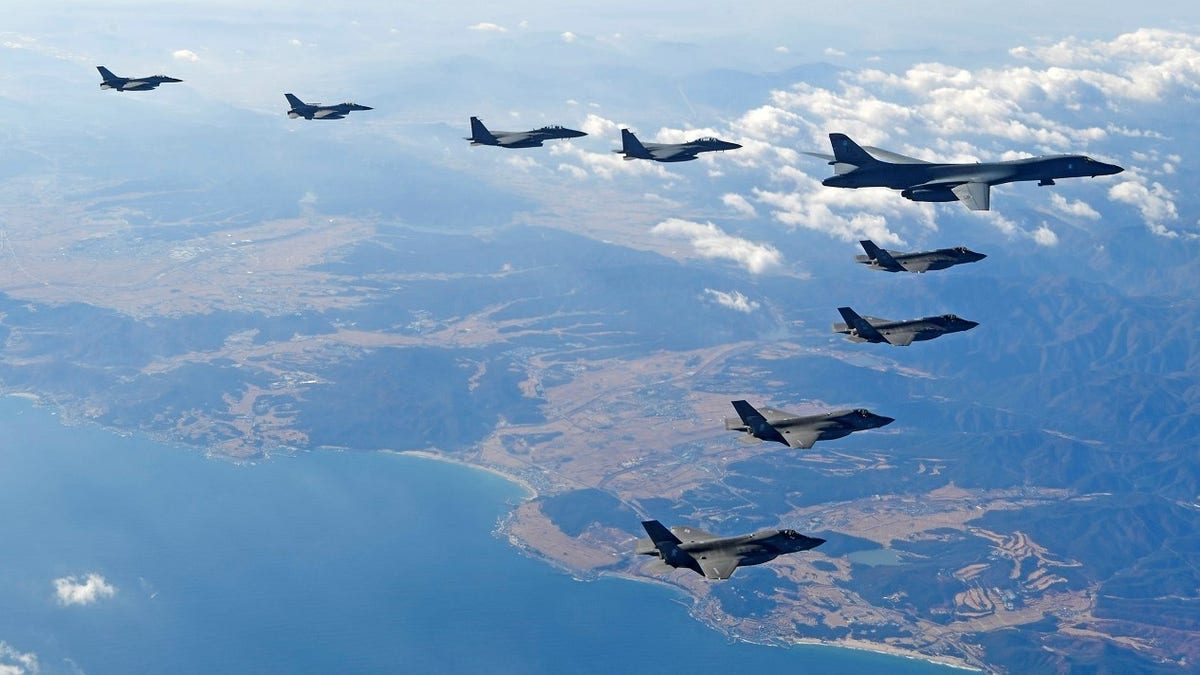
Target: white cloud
pixel 596 125
pixel 569 37
pixel 82 590
pixel 15 662
pixel 487 26
pixel 782 50
pixel 1077 208
pixel 710 241
pixel 1044 236
pixel 739 203
pixel 733 300
pixel 830 51
pixel 185 55
pixel 1154 202
pixel 574 171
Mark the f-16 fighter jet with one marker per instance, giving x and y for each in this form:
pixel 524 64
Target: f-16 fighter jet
pixel 316 111
pixel 798 431
pixel 716 557
pixel 632 148
pixel 480 135
pixel 918 261
pixel 119 83
pixel 855 166
pixel 899 333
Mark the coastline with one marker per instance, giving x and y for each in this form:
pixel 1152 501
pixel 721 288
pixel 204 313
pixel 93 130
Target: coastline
pixel 532 493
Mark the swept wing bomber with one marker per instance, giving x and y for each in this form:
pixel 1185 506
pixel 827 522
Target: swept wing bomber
pixel 716 557
pixel 800 431
pixel 855 166
pixel 316 111
pixel 632 148
pixel 112 81
pixel 917 261
pixel 898 333
pixel 480 135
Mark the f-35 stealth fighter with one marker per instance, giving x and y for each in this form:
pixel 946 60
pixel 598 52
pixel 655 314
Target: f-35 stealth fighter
pixel 316 111
pixel 716 557
pixel 480 135
pixel 855 166
pixel 632 148
pixel 918 261
pixel 796 431
pixel 119 83
pixel 898 333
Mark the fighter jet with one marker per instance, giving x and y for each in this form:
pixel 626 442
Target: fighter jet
pixel 518 139
pixel 855 166
pixel 632 148
pixel 716 557
pixel 119 83
pixel 919 261
pixel 797 431
pixel 898 333
pixel 316 111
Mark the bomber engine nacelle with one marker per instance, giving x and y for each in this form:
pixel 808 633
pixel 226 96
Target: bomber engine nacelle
pixel 930 195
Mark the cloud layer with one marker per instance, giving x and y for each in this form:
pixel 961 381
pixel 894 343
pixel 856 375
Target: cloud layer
pixel 710 241
pixel 82 589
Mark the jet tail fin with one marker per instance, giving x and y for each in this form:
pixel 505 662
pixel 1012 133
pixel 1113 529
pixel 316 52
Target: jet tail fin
pixel 880 256
pixel 846 151
pixel 632 147
pixel 861 326
pixel 659 534
pixel 747 412
pixel 480 133
pixel 106 73
pixel 294 101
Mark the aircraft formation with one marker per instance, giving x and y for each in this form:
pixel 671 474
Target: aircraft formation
pixel 854 166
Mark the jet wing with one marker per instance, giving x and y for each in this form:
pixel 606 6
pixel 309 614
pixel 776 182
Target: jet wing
pixel 902 338
pixel 974 195
pixel 691 534
pixel 773 415
pixel 672 154
pixel 800 437
pixel 328 114
pixel 917 265
pixel 719 567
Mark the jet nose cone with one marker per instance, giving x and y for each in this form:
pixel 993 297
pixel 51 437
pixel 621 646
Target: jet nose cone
pixel 980 256
pixel 884 420
pixel 970 324
pixel 733 146
pixel 815 541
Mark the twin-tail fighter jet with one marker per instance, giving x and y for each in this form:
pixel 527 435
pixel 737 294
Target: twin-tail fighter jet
pixel 716 557
pixel 916 261
pixel 632 148
pixel 855 166
pixel 316 111
pixel 480 135
pixel 800 431
pixel 112 81
pixel 898 333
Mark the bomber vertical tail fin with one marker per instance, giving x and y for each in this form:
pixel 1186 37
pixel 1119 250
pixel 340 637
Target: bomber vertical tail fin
pixel 846 151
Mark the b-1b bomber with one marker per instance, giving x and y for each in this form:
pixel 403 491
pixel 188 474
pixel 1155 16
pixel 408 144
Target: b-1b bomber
pixel 855 166
pixel 716 557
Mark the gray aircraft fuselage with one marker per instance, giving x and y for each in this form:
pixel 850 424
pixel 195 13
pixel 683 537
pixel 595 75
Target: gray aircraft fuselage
pixel 717 557
pixel 900 333
pixel 112 81
pixel 801 431
pixel 915 261
pixel 481 135
pixel 316 111
pixel 632 148
pixel 918 180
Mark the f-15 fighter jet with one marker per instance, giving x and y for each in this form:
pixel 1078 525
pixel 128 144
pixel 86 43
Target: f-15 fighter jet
pixel 632 148
pixel 480 135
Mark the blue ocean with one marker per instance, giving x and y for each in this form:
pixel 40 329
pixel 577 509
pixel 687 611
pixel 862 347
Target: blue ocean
pixel 322 563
